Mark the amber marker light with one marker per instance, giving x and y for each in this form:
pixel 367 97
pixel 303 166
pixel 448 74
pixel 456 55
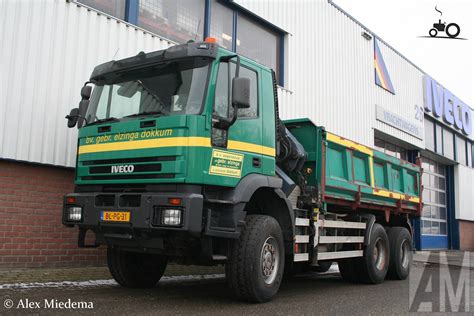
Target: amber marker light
pixel 174 201
pixel 71 200
pixel 210 40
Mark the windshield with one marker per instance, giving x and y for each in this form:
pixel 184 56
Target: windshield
pixel 168 89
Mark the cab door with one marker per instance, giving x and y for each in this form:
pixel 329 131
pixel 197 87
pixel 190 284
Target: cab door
pixel 236 152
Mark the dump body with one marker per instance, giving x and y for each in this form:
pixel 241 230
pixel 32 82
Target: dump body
pixel 352 176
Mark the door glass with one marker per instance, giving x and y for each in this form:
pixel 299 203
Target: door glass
pixel 222 96
pixel 221 106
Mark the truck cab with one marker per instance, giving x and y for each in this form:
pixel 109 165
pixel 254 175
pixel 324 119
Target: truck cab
pixel 165 127
pixel 182 158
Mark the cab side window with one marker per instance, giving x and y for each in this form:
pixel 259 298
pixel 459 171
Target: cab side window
pixel 222 95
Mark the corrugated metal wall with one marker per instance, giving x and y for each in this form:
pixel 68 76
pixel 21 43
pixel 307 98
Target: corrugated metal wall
pixel 330 71
pixel 463 188
pixel 48 49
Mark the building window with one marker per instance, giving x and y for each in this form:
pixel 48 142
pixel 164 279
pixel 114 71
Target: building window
pixel 439 139
pixel 390 149
pixel 114 8
pixel 178 20
pixel 461 150
pixel 434 214
pixel 429 135
pixel 222 26
pixel 257 42
pixel 240 32
pixel 448 143
pixel 184 20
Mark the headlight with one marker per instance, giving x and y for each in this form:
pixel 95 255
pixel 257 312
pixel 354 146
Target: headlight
pixel 171 217
pixel 74 214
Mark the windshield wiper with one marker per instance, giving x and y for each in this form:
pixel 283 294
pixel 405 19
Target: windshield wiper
pixel 109 119
pixel 145 113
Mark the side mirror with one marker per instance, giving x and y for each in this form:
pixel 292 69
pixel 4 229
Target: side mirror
pixel 86 92
pixel 72 118
pixel 241 92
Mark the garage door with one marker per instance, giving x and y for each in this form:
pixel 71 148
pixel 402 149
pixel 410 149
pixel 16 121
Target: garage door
pixel 434 225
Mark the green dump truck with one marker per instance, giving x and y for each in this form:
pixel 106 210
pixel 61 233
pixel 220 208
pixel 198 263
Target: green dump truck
pixel 182 158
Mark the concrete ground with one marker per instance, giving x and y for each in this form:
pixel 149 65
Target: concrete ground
pixel 195 290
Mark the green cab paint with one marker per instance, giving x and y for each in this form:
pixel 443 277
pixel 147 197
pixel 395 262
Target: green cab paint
pixel 179 148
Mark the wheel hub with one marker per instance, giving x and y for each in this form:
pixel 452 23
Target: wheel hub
pixel 379 254
pixel 405 253
pixel 269 260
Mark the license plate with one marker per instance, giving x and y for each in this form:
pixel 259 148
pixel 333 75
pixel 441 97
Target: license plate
pixel 115 216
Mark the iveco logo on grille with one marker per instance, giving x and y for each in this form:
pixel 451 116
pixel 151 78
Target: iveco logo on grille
pixel 122 169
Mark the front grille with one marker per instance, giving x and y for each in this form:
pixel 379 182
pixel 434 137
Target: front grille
pixel 130 176
pixel 127 160
pixel 127 168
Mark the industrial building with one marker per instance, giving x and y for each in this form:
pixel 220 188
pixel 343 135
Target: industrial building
pixel 330 68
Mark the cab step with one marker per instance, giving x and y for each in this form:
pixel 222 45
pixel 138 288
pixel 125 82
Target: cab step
pixel 301 239
pixel 340 254
pixel 301 257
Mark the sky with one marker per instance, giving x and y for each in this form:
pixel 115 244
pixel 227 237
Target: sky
pixel 403 23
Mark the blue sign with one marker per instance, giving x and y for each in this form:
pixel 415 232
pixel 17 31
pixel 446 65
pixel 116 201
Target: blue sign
pixel 443 104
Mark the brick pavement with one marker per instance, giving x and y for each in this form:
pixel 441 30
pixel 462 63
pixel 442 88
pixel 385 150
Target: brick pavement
pixel 88 273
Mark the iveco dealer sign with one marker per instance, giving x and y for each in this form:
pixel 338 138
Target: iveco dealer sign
pixel 399 122
pixel 442 104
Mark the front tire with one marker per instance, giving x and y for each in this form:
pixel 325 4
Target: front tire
pixel 135 270
pixel 433 32
pixel 400 253
pixel 255 267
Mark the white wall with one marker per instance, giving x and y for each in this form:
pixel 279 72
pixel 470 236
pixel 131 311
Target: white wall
pixel 330 71
pixel 48 49
pixel 464 192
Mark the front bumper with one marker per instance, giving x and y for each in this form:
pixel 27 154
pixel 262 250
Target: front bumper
pixel 143 208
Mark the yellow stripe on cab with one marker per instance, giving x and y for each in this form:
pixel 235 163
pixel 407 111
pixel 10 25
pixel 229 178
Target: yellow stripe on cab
pixel 173 142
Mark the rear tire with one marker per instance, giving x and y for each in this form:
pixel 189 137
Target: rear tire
pixel 255 267
pixel 400 253
pixel 373 266
pixel 135 270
